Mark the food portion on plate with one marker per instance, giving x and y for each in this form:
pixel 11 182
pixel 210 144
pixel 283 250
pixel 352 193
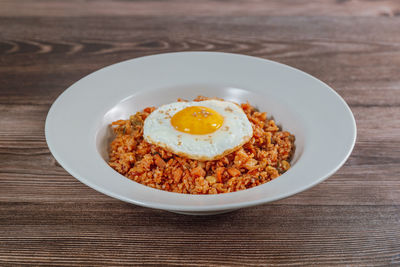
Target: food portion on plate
pixel 206 146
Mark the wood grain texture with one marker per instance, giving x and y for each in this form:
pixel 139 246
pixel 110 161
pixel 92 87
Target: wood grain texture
pixel 49 218
pixel 75 8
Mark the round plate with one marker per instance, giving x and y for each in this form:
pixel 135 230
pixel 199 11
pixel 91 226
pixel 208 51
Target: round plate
pixel 78 133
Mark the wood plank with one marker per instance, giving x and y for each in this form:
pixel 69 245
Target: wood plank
pixel 121 235
pixel 327 49
pixel 199 8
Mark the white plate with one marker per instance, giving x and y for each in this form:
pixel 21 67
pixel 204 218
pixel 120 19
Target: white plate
pixel 77 130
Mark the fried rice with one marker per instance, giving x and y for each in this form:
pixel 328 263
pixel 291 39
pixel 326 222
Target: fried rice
pixel 265 157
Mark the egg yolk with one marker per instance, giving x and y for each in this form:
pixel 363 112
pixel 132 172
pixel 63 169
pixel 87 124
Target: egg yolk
pixel 197 120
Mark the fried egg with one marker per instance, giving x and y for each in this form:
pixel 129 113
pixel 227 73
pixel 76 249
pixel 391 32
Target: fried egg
pixel 205 130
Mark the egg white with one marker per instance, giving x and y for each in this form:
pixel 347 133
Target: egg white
pixel 235 131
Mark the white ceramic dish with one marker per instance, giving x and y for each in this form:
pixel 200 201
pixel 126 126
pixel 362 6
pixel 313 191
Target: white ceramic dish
pixel 78 135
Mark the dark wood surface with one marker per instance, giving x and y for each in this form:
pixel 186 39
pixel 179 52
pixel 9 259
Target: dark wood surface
pixel 49 218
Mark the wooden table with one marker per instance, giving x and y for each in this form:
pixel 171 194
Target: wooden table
pixel 48 217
